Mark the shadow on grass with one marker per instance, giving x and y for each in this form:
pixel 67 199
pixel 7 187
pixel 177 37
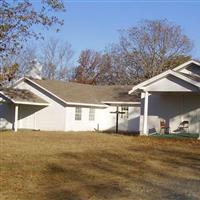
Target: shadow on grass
pixel 132 173
pixel 120 133
pixel 6 130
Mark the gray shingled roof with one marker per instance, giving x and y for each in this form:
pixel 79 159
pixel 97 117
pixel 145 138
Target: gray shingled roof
pixel 84 93
pixel 23 96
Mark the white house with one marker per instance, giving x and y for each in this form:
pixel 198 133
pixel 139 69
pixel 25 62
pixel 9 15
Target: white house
pixel 172 96
pixel 60 106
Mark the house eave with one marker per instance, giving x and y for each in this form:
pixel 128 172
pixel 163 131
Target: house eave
pixel 30 103
pixel 121 103
pixel 146 83
pixel 186 64
pixel 23 102
pixel 85 104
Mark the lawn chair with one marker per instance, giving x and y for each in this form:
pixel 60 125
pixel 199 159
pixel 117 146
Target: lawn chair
pixel 164 129
pixel 183 126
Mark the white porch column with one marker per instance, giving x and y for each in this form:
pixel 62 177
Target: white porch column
pixel 66 121
pixel 16 118
pixel 146 104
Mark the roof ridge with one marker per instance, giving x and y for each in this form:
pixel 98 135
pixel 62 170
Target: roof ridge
pixel 84 84
pixel 85 93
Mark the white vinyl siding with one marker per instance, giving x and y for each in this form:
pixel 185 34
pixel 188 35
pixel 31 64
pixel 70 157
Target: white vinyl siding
pixel 78 113
pixel 92 114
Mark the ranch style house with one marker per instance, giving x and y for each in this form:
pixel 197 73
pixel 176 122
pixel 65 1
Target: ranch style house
pixel 164 101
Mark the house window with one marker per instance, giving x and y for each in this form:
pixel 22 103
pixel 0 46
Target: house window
pixel 92 114
pixel 125 114
pixel 78 113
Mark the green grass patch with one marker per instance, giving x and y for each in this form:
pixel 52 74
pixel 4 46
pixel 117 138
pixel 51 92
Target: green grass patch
pixel 178 136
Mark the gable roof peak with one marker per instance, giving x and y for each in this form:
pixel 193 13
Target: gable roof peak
pixel 72 92
pixel 184 65
pixel 174 72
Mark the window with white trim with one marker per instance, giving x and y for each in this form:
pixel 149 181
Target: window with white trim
pixel 92 114
pixel 124 115
pixel 78 113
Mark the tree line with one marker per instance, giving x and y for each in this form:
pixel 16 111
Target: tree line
pixel 142 51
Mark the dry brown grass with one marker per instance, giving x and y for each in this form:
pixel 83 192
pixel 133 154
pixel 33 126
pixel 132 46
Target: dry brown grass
pixel 88 166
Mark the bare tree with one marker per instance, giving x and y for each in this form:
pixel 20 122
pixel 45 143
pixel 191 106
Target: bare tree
pixel 17 19
pixel 55 58
pixel 65 55
pixel 17 66
pixel 107 71
pixel 25 59
pixel 89 67
pixel 148 49
pixel 7 73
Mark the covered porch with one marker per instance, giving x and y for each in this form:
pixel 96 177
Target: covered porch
pixel 18 109
pixel 172 108
pixel 171 98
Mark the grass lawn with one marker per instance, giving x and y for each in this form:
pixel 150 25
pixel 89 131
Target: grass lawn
pixel 90 166
pixel 178 136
